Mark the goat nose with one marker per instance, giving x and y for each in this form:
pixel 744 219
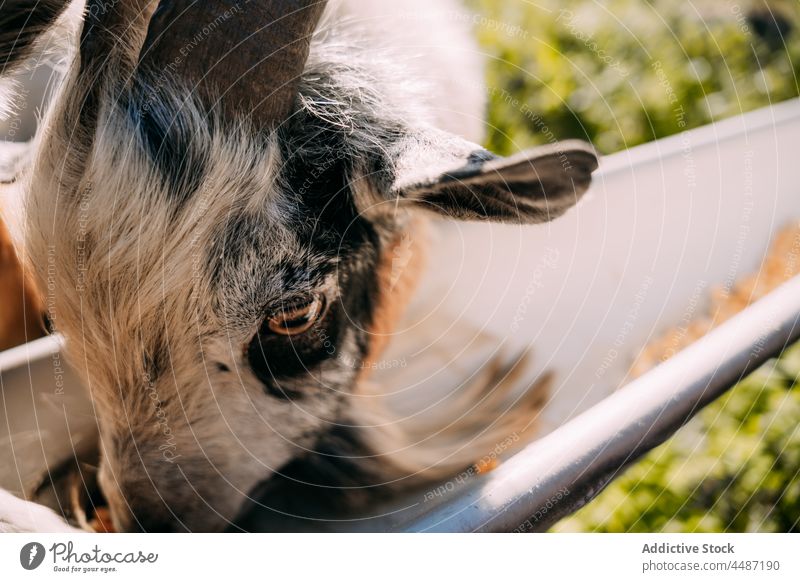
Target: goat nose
pixel 149 511
pixel 146 522
pixel 140 508
pixel 151 516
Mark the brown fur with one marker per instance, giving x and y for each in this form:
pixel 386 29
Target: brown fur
pixel 21 309
pixel 398 280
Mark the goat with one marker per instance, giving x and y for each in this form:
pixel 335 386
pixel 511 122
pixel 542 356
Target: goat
pixel 221 186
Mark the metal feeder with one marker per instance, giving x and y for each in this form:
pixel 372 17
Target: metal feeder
pixel 663 224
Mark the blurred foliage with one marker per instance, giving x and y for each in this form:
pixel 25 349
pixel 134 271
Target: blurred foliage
pixel 625 72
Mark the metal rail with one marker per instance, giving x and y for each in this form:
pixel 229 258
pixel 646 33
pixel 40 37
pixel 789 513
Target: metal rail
pixel 560 473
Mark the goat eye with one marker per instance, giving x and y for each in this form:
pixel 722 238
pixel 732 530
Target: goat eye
pixel 297 319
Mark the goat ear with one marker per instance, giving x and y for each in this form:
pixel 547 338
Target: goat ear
pixel 465 181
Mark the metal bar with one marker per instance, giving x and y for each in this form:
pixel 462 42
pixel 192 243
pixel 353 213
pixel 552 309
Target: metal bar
pixel 564 470
pixel 31 352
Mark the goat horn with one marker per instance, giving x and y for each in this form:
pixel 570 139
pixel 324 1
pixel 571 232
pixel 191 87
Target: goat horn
pixel 244 55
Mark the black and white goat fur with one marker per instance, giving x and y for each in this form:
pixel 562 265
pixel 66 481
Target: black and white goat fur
pixel 188 191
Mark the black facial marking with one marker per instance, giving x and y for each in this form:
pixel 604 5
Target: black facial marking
pixel 318 166
pixel 168 137
pixel 278 360
pixel 331 239
pixel 338 477
pixel 318 185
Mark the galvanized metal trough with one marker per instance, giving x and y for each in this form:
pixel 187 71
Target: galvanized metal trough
pixel 663 224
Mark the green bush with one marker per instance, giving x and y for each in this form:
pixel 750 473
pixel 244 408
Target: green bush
pixel 625 72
